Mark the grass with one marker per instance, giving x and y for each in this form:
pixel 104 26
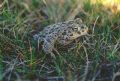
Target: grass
pixel 20 58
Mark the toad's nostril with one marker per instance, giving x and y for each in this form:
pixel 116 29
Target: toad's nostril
pixel 82 30
pixel 79 32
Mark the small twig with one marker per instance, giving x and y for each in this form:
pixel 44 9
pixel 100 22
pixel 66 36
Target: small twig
pixel 87 66
pixel 95 24
pixel 76 10
pixel 18 76
pixel 94 78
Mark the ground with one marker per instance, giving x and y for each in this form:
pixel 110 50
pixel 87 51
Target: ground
pixel 96 59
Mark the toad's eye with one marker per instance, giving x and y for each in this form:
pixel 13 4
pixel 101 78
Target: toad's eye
pixel 75 28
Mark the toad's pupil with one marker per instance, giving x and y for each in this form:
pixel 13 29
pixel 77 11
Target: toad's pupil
pixel 75 29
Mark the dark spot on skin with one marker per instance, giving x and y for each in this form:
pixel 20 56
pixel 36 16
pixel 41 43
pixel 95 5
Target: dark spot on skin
pixel 63 23
pixel 69 31
pixel 55 28
pixel 82 27
pixel 43 36
pixel 71 34
pixel 58 30
pixel 48 36
pixel 54 25
pixel 64 30
pixel 52 30
pixel 72 29
pixel 55 35
pixel 48 40
pixel 64 33
pixel 67 39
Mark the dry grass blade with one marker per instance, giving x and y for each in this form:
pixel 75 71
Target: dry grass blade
pixel 115 75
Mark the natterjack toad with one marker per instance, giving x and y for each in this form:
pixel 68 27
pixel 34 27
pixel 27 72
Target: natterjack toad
pixel 63 33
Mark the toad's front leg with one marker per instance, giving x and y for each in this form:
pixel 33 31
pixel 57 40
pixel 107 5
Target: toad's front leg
pixel 48 46
pixel 48 49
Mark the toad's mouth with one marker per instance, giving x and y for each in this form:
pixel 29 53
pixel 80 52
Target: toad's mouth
pixel 76 35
